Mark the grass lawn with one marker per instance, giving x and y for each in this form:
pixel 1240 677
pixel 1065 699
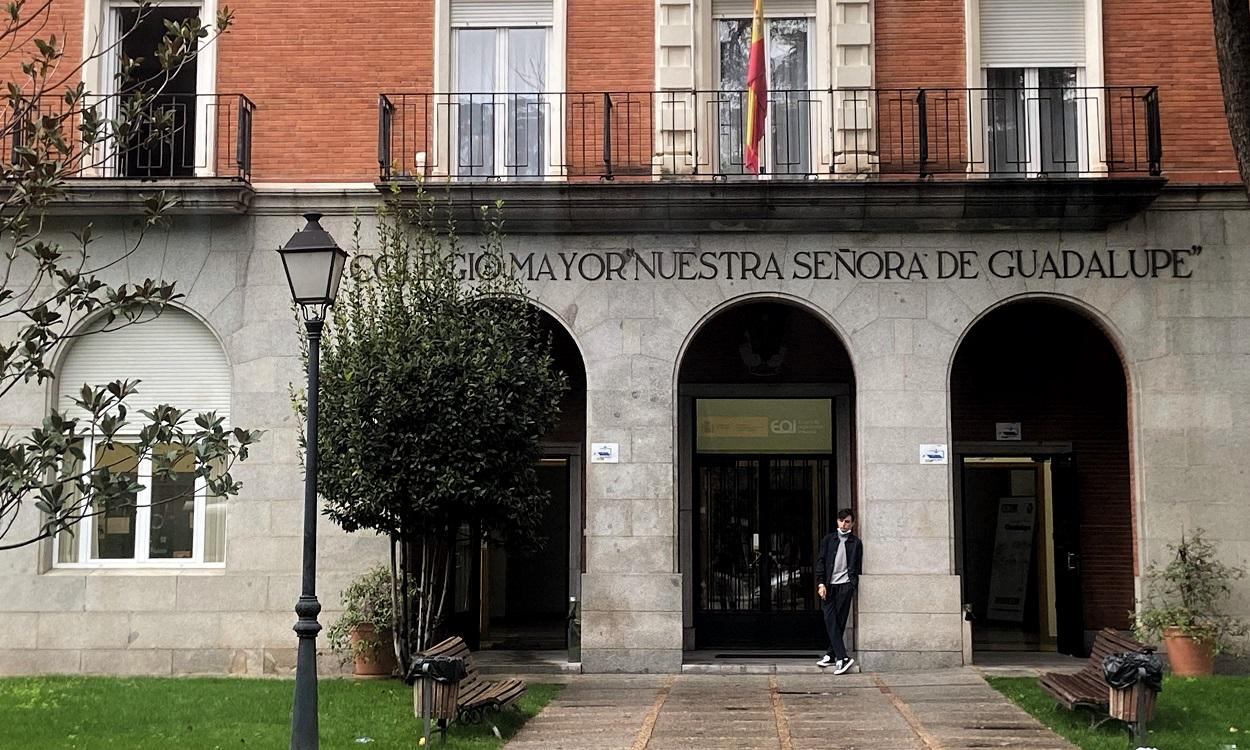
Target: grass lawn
pixel 1206 712
pixel 191 712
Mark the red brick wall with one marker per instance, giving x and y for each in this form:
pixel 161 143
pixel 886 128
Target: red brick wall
pixel 1057 374
pixel 1170 43
pixel 920 43
pixel 610 52
pixel 314 71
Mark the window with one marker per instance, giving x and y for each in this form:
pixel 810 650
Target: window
pixel 171 520
pixel 1036 115
pixel 1032 120
pixel 183 148
pixel 500 78
pixel 788 139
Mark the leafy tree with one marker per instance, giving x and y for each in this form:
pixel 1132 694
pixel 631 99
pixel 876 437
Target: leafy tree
pixel 51 294
pixel 1232 46
pixel 434 394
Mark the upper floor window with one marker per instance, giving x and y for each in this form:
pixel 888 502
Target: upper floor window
pixel 129 40
pixel 171 519
pixel 1037 110
pixel 500 74
pixel 789 49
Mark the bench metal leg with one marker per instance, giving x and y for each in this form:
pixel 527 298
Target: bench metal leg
pixel 1096 721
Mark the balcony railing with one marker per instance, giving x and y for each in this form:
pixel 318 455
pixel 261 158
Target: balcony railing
pixel 199 135
pixel 810 134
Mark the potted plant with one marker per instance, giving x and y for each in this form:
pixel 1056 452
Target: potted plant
pixel 1183 606
pixel 363 634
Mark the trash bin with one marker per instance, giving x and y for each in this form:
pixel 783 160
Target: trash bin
pixel 574 634
pixel 440 677
pixel 1133 680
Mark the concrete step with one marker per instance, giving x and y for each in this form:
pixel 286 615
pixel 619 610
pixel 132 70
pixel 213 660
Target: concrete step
pixel 736 666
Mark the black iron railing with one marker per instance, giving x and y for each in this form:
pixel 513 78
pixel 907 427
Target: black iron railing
pixel 853 133
pixel 173 135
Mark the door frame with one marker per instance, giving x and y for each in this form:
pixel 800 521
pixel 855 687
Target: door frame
pixel 1055 451
pixel 839 393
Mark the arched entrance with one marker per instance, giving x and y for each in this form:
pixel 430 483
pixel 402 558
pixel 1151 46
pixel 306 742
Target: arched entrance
pixel 519 600
pixel 1043 508
pixel 765 402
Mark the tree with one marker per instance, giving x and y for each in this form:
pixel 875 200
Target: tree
pixel 1232 47
pixel 52 294
pixel 434 394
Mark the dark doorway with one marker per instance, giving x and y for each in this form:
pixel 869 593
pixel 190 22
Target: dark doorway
pixel 1044 523
pixel 165 141
pixel 765 408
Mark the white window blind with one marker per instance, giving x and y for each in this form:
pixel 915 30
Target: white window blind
pixel 772 8
pixel 178 360
pixel 1032 33
pixel 500 13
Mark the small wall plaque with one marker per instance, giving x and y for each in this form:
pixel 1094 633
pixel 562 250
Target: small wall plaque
pixel 1006 430
pixel 605 453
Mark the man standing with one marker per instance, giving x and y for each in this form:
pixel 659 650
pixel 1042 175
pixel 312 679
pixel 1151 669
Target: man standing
pixel 838 566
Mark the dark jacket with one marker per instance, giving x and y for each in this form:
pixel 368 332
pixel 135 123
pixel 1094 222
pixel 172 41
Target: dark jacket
pixel 829 553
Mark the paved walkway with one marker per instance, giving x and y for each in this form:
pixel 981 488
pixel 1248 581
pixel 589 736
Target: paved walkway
pixel 941 710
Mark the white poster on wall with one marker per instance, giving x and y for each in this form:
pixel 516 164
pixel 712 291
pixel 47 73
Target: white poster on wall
pixel 1013 552
pixel 934 453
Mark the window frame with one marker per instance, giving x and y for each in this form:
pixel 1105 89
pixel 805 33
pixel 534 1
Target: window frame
pixel 1085 163
pixel 1089 75
pixel 101 33
pixel 816 160
pixel 548 136
pixel 84 530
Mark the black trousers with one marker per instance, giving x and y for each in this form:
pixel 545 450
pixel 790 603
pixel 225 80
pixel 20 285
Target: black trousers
pixel 837 608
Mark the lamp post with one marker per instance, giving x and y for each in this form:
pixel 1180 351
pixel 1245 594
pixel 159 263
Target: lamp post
pixel 314 267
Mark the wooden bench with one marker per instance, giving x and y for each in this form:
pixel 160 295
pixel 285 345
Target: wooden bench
pixel 477 696
pixel 1087 688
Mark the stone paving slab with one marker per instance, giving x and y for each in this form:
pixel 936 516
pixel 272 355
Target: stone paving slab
pixel 941 710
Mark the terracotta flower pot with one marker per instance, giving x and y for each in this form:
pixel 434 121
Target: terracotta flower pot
pixel 1186 656
pixel 378 660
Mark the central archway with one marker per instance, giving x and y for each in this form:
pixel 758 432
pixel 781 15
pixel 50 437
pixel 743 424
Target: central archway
pixel 765 402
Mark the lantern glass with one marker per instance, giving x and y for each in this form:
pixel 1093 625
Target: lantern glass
pixel 309 273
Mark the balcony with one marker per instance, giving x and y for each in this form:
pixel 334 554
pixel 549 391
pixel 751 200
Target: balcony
pixel 202 153
pixel 832 159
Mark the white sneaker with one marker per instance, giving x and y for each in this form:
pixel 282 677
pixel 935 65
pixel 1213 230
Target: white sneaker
pixel 825 661
pixel 843 665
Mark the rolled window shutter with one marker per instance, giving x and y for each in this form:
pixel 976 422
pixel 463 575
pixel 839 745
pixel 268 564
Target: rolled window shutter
pixel 772 8
pixel 176 357
pixel 1032 33
pixel 500 13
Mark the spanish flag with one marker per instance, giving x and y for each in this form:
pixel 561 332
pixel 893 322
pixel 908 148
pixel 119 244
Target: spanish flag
pixel 757 92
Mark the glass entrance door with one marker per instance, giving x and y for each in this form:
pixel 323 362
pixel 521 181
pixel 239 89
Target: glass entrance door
pixel 760 521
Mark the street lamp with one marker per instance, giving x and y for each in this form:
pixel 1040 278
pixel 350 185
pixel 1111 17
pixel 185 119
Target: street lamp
pixel 314 267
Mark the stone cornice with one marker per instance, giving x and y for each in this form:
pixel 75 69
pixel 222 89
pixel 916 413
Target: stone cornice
pixel 811 206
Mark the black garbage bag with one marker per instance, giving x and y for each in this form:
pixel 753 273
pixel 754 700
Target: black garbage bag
pixel 1126 669
pixel 437 668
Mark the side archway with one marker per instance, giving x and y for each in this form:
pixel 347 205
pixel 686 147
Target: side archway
pixel 1044 521
pixel 513 600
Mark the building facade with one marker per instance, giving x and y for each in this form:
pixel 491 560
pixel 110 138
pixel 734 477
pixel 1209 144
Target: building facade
pixel 991 291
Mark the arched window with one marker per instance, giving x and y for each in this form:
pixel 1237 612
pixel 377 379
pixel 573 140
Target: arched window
pixel 172 521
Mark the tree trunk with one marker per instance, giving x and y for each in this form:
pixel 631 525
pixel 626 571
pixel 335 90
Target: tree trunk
pixel 1232 46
